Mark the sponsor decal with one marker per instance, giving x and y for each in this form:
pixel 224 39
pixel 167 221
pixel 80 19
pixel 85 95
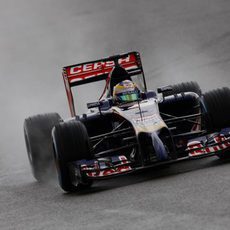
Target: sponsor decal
pixel 84 71
pixel 152 119
pixel 90 67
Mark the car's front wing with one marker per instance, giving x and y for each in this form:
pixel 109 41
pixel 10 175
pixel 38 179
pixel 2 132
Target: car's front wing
pixel 103 168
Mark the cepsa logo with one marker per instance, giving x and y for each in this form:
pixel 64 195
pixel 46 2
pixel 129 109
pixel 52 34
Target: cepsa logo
pixel 98 65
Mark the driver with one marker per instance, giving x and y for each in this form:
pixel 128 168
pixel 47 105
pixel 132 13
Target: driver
pixel 126 93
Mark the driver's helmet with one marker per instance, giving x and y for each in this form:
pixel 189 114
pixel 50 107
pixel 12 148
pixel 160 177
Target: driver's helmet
pixel 126 93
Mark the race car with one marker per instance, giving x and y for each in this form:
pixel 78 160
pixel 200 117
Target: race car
pixel 128 128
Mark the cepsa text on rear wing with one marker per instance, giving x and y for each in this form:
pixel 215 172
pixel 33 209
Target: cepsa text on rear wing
pixel 98 70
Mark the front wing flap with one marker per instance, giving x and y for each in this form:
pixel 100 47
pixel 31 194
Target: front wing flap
pixel 216 143
pixel 104 167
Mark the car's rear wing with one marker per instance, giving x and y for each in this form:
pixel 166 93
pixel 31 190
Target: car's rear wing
pixel 98 70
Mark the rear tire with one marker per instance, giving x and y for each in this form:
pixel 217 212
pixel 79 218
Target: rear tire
pixel 184 87
pixel 37 132
pixel 71 143
pixel 217 103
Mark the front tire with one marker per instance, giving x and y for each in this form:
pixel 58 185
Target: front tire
pixel 37 133
pixel 71 143
pixel 217 104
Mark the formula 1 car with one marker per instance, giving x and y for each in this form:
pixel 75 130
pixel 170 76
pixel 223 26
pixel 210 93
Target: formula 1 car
pixel 175 123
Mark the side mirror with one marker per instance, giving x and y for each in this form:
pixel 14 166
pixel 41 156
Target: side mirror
pixel 163 89
pixel 101 105
pixel 91 105
pixel 106 104
pixel 149 94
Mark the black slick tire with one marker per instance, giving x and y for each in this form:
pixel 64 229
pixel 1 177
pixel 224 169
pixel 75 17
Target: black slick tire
pixel 38 139
pixel 217 104
pixel 71 143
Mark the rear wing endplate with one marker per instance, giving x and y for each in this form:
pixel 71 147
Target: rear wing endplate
pixel 98 70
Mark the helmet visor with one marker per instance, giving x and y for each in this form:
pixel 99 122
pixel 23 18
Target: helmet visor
pixel 128 97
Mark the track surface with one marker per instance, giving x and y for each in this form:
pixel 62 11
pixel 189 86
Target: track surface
pixel 179 40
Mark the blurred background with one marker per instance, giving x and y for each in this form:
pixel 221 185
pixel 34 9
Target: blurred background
pixel 179 40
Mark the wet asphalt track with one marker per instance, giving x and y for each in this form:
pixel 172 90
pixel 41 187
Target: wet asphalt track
pixel 179 40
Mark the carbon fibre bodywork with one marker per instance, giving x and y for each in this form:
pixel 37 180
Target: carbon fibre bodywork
pixel 157 128
pixel 145 135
